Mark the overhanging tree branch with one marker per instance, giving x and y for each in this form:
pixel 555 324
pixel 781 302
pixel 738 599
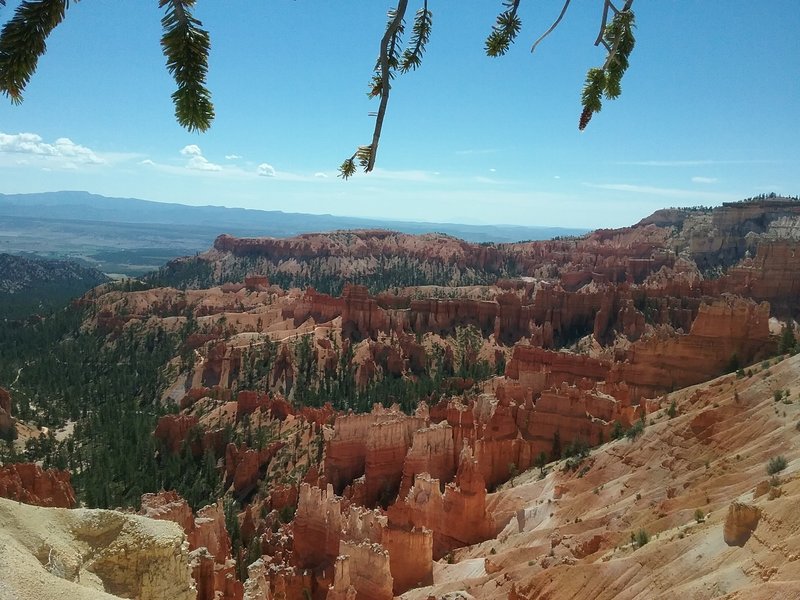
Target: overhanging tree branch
pixel 186 45
pixel 23 40
pixel 388 61
pixel 617 37
pixel 388 49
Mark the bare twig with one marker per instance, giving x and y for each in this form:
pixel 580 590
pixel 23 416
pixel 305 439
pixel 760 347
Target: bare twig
pixel 553 26
pixel 388 37
pixel 603 23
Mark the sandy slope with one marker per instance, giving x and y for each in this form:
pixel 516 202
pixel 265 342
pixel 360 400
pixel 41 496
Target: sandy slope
pixel 59 554
pixel 568 535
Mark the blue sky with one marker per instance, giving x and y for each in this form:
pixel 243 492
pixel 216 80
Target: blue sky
pixel 708 112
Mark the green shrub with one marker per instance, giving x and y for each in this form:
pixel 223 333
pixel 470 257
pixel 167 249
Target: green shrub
pixel 776 464
pixel 286 514
pixel 699 516
pixel 642 538
pixel 635 431
pixel 672 411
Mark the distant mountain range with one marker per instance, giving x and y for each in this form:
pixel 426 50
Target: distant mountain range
pixel 131 236
pixel 82 206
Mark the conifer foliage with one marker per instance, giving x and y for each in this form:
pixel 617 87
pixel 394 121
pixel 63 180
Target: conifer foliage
pixel 23 41
pixel 186 46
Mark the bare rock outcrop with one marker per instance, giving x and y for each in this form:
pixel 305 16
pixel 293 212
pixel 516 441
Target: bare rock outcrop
pixel 172 430
pixel 212 568
pixel 457 518
pixel 52 554
pixel 541 369
pixel 388 443
pixel 357 546
pixel 29 483
pixel 740 523
pixel 432 452
pixel 317 527
pixel 729 331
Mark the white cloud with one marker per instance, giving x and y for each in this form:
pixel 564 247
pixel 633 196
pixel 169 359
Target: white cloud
pixel 492 170
pixel 201 163
pixel 191 150
pixel 31 143
pixel 147 162
pixel 232 156
pixel 321 175
pixel 198 162
pixel 704 180
pixel 266 170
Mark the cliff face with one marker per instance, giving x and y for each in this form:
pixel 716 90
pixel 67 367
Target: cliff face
pixel 29 483
pixel 172 430
pixel 726 334
pixel 432 451
pixel 457 518
pixel 387 445
pixel 209 545
pixel 51 553
pixel 772 274
pixel 540 369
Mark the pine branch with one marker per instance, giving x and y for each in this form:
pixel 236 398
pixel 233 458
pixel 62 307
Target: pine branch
pixel 186 45
pixel 388 38
pixel 387 61
pixel 23 40
pixel 617 37
pixel 421 33
pixel 505 30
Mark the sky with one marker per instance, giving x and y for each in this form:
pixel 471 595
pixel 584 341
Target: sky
pixel 708 112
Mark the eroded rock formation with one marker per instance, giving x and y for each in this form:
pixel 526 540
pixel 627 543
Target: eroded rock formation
pixel 29 483
pixel 740 523
pixel 457 518
pixel 212 567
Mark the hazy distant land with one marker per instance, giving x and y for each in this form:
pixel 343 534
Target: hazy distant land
pixel 130 236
